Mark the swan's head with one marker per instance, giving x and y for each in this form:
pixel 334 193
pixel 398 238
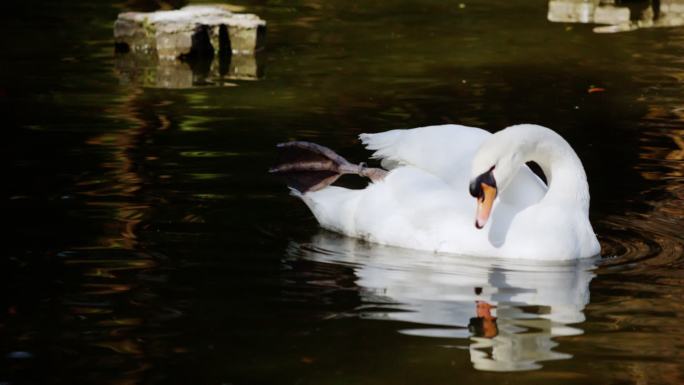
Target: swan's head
pixel 495 164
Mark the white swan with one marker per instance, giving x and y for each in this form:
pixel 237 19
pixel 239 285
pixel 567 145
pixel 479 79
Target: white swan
pixel 424 201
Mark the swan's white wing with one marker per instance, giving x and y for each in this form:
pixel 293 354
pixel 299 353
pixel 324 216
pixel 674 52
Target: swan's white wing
pixel 445 151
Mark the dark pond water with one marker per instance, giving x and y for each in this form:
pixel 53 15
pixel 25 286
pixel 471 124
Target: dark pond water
pixel 146 244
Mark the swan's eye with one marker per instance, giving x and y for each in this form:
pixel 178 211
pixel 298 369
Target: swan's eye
pixel 486 178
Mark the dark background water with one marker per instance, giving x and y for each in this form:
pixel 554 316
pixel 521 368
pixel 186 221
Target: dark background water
pixel 147 244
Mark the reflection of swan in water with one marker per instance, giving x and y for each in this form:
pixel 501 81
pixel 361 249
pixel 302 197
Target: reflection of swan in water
pixel 510 309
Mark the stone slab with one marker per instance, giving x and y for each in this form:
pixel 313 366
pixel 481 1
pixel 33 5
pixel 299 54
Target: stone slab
pixel 174 34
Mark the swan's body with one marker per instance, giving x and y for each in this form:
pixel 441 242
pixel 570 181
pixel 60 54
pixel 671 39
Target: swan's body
pixel 423 202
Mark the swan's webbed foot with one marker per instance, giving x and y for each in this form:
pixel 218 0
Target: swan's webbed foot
pixel 310 167
pixel 374 174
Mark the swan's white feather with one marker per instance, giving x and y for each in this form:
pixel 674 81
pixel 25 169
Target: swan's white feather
pixel 440 150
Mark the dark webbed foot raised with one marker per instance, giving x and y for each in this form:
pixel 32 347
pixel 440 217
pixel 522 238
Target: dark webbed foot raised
pixel 310 167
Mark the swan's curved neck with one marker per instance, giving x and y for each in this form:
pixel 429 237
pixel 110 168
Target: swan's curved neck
pixel 566 178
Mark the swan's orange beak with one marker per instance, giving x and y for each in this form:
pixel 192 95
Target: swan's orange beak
pixel 484 204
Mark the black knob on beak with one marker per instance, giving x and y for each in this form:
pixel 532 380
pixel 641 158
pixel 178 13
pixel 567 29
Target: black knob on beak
pixel 476 184
pixel 475 188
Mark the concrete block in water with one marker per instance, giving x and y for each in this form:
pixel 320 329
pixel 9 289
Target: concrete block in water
pixel 618 16
pixel 582 11
pixel 192 30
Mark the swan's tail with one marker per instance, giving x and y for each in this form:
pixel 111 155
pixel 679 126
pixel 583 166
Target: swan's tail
pixel 308 166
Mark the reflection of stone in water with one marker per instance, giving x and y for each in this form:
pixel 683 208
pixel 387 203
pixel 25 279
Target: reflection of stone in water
pixel 616 15
pixel 513 309
pixel 147 71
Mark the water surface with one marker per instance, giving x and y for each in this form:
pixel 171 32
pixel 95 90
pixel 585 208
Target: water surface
pixel 147 244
